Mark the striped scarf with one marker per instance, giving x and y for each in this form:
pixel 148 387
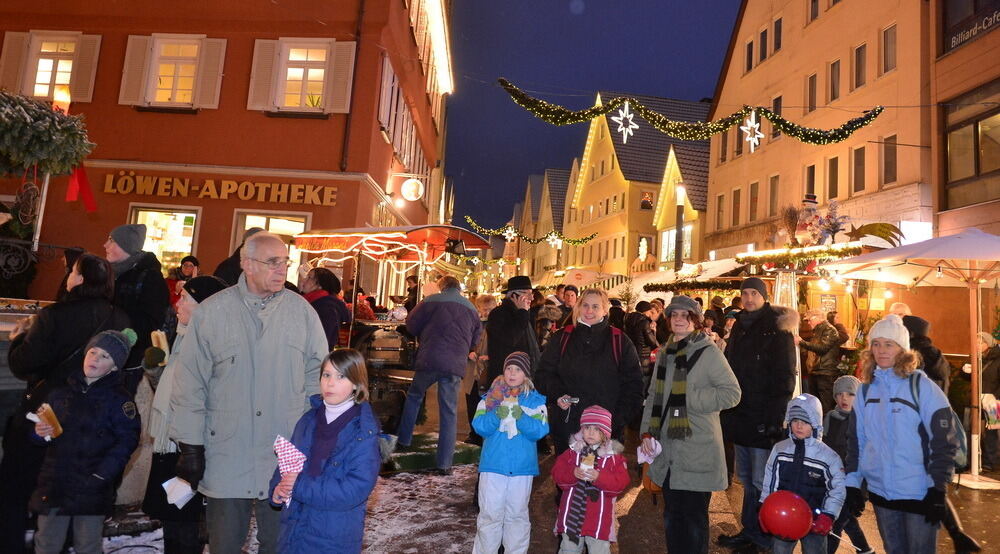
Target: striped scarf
pixel 499 390
pixel 576 509
pixel 678 425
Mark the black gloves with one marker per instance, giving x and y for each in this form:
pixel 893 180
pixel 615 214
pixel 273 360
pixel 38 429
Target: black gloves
pixel 153 357
pixel 776 433
pixel 855 502
pixel 191 463
pixel 934 506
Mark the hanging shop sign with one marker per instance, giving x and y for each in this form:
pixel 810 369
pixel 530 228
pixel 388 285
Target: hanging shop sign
pixel 130 183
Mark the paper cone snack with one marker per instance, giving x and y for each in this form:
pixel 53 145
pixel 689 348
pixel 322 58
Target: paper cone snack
pixel 159 340
pixel 588 462
pixel 48 416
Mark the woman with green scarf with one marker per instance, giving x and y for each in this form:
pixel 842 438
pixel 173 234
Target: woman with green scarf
pixel 691 383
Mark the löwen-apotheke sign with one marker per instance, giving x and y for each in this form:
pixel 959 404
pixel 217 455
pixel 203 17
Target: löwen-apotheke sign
pixel 130 183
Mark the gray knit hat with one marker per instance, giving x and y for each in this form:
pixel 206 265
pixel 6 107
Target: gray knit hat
pixel 846 383
pixel 129 237
pixel 756 284
pixel 116 343
pixel 681 302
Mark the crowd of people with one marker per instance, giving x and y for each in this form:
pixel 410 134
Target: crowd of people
pixel 706 392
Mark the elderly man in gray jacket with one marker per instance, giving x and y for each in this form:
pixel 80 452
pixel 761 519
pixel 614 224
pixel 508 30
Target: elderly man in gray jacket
pixel 254 359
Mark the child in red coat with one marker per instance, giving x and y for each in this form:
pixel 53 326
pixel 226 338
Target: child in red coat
pixel 591 474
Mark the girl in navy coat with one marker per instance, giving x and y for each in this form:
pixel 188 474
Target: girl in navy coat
pixel 326 502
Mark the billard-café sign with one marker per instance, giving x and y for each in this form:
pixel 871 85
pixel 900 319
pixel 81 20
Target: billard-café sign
pixel 127 183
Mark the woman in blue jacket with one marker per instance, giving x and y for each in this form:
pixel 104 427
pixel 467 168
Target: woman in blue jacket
pixel 903 444
pixel 511 418
pixel 339 436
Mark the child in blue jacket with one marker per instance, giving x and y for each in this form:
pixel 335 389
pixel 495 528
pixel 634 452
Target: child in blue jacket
pixel 82 466
pixel 511 418
pixel 326 502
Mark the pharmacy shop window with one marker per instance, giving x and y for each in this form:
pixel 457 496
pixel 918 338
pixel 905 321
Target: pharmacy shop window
pixel 171 231
pixel 284 224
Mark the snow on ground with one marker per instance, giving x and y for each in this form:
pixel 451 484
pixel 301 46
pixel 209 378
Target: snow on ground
pixel 418 513
pixel 150 541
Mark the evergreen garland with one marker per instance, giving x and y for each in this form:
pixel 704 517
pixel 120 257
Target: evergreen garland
pixel 512 232
pixel 792 257
pixel 32 133
pixel 684 286
pixel 685 130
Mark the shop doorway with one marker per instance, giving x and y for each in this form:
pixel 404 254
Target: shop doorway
pixel 284 224
pixel 171 231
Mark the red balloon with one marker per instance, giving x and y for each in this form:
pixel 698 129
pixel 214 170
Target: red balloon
pixel 786 515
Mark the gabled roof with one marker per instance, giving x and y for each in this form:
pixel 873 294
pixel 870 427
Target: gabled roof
pixel 644 156
pixel 535 193
pixel 516 219
pixel 558 182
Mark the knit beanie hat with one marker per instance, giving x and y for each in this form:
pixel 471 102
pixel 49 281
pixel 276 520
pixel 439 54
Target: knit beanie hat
pixel 756 284
pixel 598 417
pixel 203 286
pixel 129 237
pixel 846 383
pixel 116 343
pixel 891 327
pixel 519 360
pixel 681 302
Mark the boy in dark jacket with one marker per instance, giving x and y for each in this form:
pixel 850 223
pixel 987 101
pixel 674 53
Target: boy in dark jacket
pixel 100 429
pixel 835 426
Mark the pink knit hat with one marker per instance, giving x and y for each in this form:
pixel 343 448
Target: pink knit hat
pixel 599 417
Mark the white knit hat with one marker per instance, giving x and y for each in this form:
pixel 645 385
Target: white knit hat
pixel 891 327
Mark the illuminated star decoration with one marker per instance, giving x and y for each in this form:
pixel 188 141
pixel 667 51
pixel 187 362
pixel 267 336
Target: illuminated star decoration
pixel 626 126
pixel 509 233
pixel 554 240
pixel 752 130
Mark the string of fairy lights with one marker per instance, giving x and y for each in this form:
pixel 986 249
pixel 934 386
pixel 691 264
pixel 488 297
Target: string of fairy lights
pixel 509 233
pixel 686 130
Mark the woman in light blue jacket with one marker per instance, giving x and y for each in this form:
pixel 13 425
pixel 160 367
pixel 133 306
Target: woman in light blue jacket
pixel 903 444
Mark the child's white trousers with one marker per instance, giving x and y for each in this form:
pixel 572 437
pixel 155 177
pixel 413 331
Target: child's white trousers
pixel 503 514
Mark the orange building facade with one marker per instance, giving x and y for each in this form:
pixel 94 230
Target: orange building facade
pixel 214 117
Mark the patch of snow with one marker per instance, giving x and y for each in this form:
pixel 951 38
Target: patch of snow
pixel 150 541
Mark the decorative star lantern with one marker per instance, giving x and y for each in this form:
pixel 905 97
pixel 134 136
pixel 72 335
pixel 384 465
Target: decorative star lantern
pixel 626 126
pixel 509 233
pixel 554 240
pixel 751 131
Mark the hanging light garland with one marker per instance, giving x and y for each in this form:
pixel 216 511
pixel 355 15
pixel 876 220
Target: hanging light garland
pixel 509 232
pixel 686 130
pixel 476 260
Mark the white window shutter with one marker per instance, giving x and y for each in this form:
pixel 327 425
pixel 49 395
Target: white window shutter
pixel 340 72
pixel 12 60
pixel 81 83
pixel 209 80
pixel 262 76
pixel 133 88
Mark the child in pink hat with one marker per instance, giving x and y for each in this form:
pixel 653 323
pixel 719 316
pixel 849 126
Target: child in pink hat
pixel 591 474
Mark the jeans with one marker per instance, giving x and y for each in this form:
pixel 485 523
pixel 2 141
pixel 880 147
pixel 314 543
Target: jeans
pixel 228 521
pixel 685 519
pixel 448 386
pixel 905 533
pixel 750 463
pixel 88 534
pixel 811 544
pixel 848 524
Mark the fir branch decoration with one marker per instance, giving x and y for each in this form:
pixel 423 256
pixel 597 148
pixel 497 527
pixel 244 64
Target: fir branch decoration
pixel 510 233
pixel 685 286
pixel 31 133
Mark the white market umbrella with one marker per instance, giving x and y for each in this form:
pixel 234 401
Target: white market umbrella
pixel 968 259
pixel 584 277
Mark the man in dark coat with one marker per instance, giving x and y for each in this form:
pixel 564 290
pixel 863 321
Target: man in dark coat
pixel 825 344
pixel 140 289
pixel 934 364
pixel 510 328
pixel 761 351
pixel 229 270
pixel 447 326
pixel 570 296
pixel 639 328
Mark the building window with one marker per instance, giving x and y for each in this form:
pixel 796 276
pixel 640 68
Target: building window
pixel 668 244
pixel 302 75
pixel 612 162
pixel 601 131
pixel 749 64
pixel 646 203
pixel 859 65
pixel 737 206
pixel 762 45
pixel 591 173
pixel 889 160
pixel 858 172
pixel 173 81
pixel 397 122
pixel 602 168
pixel 723 145
pixel 738 146
pixel 889 49
pixel 754 201
pixel 285 225
pixel 776 108
pixel 772 195
pixel 777 34
pixel 183 71
pixel 832 178
pixel 834 80
pixel 811 93
pixel 171 231
pixel 36 63
pixel 720 211
pixel 53 66
pixel 810 180
pixel 974 159
pixel 813 9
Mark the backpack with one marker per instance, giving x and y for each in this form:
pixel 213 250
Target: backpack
pixel 962 453
pixel 616 341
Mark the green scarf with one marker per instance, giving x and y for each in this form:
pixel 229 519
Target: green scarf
pixel 675 410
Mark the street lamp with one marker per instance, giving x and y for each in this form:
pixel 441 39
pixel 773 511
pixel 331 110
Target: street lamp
pixel 679 233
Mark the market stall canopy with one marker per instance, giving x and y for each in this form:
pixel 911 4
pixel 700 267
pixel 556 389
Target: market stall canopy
pixel 691 272
pixel 584 277
pixel 423 243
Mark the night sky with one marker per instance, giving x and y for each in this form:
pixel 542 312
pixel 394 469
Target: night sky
pixel 563 51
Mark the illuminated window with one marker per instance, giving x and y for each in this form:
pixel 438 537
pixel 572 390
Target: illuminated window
pixel 170 232
pixel 172 71
pixel 754 201
pixel 176 64
pixel 54 66
pixel 305 74
pixel 647 201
